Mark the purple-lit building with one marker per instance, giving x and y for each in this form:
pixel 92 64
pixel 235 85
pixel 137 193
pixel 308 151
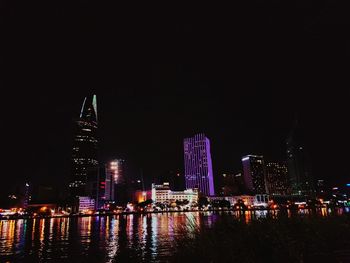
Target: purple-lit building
pixel 198 165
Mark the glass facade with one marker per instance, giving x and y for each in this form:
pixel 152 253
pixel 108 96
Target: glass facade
pixel 84 175
pixel 277 178
pixel 198 164
pixel 254 174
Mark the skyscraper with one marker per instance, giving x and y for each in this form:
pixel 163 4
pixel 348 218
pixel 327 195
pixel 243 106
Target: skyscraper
pixel 84 176
pixel 298 170
pixel 254 174
pixel 277 178
pixel 115 177
pixel 198 165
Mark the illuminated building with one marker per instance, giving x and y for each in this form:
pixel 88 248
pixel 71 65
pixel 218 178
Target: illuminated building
pixel 101 199
pixel 198 164
pixel 254 174
pixel 86 204
pixel 115 176
pixel 163 194
pixel 26 196
pixel 84 177
pixel 277 178
pixel 160 193
pixel 141 196
pixel 298 170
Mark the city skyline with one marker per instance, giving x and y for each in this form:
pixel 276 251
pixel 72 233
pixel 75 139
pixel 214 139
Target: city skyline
pixel 149 177
pixel 166 81
pixel 184 133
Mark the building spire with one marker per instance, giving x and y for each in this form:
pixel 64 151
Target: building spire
pixel 82 108
pixel 94 104
pixel 89 109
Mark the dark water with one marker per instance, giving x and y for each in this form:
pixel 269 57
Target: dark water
pixel 101 239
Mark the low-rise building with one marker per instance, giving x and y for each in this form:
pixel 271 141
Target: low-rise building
pixel 86 204
pixel 162 194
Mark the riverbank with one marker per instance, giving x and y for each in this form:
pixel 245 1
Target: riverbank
pixel 321 211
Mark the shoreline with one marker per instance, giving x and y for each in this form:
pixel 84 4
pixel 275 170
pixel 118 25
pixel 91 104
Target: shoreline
pixel 346 210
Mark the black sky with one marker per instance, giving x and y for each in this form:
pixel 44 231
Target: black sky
pixel 240 74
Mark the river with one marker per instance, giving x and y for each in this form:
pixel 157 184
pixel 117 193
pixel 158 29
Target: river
pixel 104 238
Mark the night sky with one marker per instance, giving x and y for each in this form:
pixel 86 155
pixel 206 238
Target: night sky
pixel 239 74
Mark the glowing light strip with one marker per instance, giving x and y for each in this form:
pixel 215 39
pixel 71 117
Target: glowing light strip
pixel 94 104
pixel 82 108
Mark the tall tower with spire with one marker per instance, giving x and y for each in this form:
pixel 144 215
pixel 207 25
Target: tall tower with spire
pixel 84 175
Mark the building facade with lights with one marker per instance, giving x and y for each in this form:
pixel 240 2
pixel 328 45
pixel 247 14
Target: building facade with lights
pixel 84 168
pixel 86 204
pixel 277 178
pixel 115 180
pixel 254 174
pixel 163 194
pixel 198 164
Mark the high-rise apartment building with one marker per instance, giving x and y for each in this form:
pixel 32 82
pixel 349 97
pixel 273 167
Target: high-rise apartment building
pixel 198 164
pixel 254 174
pixel 277 178
pixel 115 175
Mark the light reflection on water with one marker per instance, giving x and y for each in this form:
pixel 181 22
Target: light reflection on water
pixel 101 239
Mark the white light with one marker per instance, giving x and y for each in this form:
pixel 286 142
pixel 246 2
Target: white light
pixel 245 159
